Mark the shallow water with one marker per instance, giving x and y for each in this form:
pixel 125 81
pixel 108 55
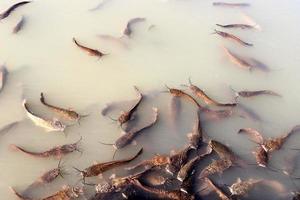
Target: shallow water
pixel 43 58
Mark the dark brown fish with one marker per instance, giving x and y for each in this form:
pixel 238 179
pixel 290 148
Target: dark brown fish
pixel 129 136
pixel 47 177
pixel 178 159
pixel 209 187
pixel 131 22
pixel 231 4
pixel 92 52
pixel 97 169
pixel 261 157
pixel 19 25
pixel 12 8
pixel 67 114
pixel 248 93
pixel 164 194
pixel 201 94
pixel 180 93
pixel 156 161
pixel 271 144
pixel 232 37
pixel 67 193
pixel 189 168
pixel 56 152
pixel 242 26
pixel 196 136
pixel 128 115
pixel 222 150
pixel 217 166
pixel 241 188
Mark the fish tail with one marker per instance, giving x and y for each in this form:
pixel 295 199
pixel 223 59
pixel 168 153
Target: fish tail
pixel 136 155
pixel 18 194
pixel 42 98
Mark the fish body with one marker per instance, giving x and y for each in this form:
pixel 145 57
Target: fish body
pixel 99 168
pixel 129 136
pixel 232 37
pixel 6 13
pixel 242 26
pixel 19 25
pixel 3 77
pixel 217 166
pixel 130 23
pixel 48 125
pixel 65 113
pixel 241 188
pixel 231 4
pixel 92 52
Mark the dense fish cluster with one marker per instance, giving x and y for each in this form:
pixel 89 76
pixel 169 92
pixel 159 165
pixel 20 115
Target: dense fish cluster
pixel 184 174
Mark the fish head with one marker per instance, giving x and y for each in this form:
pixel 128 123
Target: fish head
pixel 76 191
pixel 58 125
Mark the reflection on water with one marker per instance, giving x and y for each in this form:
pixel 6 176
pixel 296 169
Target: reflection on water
pixel 171 45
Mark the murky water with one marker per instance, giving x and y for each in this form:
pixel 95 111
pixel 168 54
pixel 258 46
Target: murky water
pixel 43 58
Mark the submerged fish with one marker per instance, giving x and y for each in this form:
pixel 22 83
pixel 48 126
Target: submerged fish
pixel 130 23
pixel 56 152
pixel 67 193
pixel 3 77
pixel 232 37
pixel 241 188
pixel 48 125
pixel 19 25
pixel 65 113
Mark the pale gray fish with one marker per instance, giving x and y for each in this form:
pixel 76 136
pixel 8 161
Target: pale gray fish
pixel 100 5
pixel 259 65
pixel 19 25
pixel 174 110
pixel 131 22
pixel 248 113
pixel 3 76
pixel 7 127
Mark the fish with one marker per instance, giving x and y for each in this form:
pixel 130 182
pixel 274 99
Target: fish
pixel 179 93
pixel 128 115
pixel 56 152
pixel 238 60
pixel 129 135
pixel 7 127
pixel 67 193
pixel 128 30
pixel 7 12
pixel 209 187
pixel 232 37
pixel 271 144
pixel 164 194
pixel 67 114
pixel 241 188
pixel 261 157
pixel 208 100
pixel 242 26
pixel 100 5
pixel 19 25
pixel 155 161
pixel 216 166
pixel 222 150
pixel 231 4
pixel 178 159
pixel 3 77
pixel 47 177
pixel 189 168
pixel 174 110
pixel 254 135
pixel 48 125
pixel 92 52
pixel 97 169
pixel 253 93
pixel 195 138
